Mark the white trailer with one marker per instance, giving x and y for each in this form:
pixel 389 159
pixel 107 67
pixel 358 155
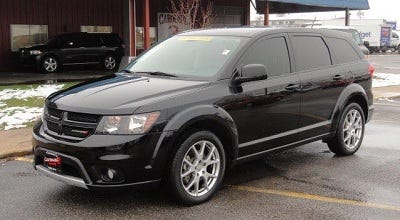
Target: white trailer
pixel 375 32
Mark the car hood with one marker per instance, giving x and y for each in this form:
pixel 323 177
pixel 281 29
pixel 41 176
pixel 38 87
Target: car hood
pixel 34 47
pixel 120 94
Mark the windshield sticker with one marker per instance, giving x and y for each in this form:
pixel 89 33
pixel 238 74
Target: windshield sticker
pixel 196 38
pixel 226 52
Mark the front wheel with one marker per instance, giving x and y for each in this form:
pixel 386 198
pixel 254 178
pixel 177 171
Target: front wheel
pixel 350 132
pixel 197 168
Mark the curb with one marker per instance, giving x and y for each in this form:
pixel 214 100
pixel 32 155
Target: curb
pixel 16 154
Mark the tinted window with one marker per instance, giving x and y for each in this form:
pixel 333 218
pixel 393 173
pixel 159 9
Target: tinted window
pixel 342 51
pixel 112 40
pixel 92 40
pixel 310 52
pixel 73 40
pixel 273 53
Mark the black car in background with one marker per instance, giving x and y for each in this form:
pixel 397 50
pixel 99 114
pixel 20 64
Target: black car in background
pixel 202 101
pixel 105 49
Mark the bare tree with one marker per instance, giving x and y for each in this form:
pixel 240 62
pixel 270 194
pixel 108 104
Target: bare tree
pixel 192 13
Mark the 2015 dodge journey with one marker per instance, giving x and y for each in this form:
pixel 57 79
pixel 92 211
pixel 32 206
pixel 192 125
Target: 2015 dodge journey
pixel 202 101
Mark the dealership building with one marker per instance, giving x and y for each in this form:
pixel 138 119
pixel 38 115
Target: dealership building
pixel 140 23
pixel 137 22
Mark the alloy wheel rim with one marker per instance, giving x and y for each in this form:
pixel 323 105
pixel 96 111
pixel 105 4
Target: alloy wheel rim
pixel 50 64
pixel 352 129
pixel 110 63
pixel 200 168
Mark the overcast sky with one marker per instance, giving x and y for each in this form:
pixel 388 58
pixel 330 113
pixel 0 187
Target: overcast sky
pixel 379 9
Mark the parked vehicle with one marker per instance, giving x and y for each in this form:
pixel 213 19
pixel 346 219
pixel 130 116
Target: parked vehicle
pixel 395 41
pixel 350 30
pixel 200 102
pixel 75 49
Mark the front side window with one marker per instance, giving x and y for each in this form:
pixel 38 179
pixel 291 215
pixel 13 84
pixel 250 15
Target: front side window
pixel 188 56
pixel 310 52
pixel 25 35
pixel 272 53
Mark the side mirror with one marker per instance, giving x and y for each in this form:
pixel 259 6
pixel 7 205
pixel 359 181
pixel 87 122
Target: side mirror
pixel 250 72
pixel 366 43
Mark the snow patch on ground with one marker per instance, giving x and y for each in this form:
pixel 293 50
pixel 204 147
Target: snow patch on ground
pixel 40 91
pixel 17 117
pixel 385 79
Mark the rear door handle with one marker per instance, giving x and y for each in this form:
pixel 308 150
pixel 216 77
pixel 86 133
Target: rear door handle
pixel 292 87
pixel 338 77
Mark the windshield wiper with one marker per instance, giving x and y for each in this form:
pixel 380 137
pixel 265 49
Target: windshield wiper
pixel 159 73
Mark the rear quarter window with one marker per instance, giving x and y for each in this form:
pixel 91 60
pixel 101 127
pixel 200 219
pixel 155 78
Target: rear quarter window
pixel 342 51
pixel 310 52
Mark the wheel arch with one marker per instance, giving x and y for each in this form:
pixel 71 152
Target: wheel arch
pixel 203 117
pixel 352 93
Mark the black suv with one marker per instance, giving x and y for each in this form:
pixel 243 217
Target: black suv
pixel 202 101
pixel 75 49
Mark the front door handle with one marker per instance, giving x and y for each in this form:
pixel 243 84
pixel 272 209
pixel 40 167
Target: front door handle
pixel 338 77
pixel 291 87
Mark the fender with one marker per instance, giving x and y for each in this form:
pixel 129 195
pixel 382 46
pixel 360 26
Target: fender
pixel 184 119
pixel 349 92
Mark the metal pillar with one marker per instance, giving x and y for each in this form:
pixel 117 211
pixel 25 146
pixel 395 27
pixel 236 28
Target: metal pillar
pixel 266 13
pixel 347 17
pixel 132 28
pixel 146 23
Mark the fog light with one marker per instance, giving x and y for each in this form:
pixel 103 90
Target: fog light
pixel 111 173
pixel 108 175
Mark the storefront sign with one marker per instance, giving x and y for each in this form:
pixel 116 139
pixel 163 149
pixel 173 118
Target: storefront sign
pixel 166 26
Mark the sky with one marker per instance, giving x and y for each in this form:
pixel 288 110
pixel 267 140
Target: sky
pixel 379 9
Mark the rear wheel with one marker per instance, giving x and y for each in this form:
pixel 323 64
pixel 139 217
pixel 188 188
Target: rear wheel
pixel 110 62
pixel 350 132
pixel 197 168
pixel 49 64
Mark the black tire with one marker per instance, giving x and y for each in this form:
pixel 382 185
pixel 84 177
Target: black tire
pixel 49 64
pixel 177 166
pixel 110 62
pixel 340 144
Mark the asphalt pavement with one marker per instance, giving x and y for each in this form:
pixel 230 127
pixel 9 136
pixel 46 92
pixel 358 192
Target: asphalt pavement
pixel 308 182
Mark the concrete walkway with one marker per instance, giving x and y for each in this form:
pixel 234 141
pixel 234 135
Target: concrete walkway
pixel 18 142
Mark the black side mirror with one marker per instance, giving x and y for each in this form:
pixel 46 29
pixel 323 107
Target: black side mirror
pixel 366 43
pixel 250 72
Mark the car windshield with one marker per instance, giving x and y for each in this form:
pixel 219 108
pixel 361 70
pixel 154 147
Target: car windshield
pixel 188 56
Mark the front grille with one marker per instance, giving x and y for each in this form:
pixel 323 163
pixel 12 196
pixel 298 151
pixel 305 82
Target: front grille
pixel 69 126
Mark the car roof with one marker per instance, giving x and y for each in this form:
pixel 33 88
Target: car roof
pixel 255 31
pixel 337 27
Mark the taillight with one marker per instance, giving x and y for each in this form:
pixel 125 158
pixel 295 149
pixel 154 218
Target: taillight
pixel 371 70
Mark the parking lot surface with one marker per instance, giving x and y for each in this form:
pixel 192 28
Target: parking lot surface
pixel 308 182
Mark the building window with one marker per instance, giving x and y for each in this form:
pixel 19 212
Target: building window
pixel 96 29
pixel 140 37
pixel 25 35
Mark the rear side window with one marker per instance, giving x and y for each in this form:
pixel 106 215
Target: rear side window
pixel 310 52
pixel 273 53
pixel 112 39
pixel 342 51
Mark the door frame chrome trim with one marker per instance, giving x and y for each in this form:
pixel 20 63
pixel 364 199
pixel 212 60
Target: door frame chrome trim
pixel 281 147
pixel 283 134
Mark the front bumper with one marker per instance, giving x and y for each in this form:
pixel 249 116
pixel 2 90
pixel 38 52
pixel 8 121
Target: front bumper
pixel 85 163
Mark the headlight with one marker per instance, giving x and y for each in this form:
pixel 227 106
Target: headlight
pixel 35 52
pixel 127 124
